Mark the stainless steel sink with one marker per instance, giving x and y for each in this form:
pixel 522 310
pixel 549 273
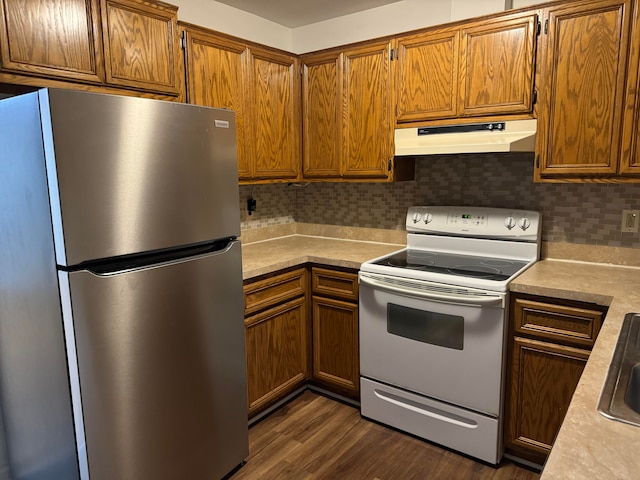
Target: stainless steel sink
pixel 620 398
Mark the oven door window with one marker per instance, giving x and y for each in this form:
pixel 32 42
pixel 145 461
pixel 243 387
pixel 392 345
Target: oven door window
pixel 423 326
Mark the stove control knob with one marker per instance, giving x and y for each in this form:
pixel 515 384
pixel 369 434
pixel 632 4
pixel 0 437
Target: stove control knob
pixel 428 217
pixel 510 222
pixel 416 217
pixel 524 223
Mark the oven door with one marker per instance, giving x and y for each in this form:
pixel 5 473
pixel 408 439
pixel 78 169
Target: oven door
pixel 440 341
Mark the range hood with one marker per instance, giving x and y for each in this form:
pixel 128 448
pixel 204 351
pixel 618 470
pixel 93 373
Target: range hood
pixel 508 136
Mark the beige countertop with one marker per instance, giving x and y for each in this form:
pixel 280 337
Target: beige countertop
pixel 590 446
pixel 268 256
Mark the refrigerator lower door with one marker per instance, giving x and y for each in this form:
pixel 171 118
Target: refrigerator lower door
pixel 160 367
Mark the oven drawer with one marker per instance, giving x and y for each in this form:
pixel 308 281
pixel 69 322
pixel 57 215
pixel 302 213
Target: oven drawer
pixel 462 430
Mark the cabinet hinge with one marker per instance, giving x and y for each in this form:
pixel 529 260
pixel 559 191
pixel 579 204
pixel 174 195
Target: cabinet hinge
pixel 389 165
pixel 537 161
pixel 183 40
pixel 534 98
pixel 546 26
pixel 391 55
pixel 539 29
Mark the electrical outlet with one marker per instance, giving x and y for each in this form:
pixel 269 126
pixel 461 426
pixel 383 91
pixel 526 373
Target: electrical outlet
pixel 630 220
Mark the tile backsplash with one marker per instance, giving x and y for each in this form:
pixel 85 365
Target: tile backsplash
pixel 573 213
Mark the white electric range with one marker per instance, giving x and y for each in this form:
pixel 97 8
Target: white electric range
pixel 433 324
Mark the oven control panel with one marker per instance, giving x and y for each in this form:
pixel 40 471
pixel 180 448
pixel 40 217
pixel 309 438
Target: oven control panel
pixel 475 222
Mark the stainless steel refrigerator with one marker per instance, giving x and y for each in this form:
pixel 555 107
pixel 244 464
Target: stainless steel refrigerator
pixel 121 310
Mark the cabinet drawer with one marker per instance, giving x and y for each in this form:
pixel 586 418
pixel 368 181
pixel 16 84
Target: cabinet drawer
pixel 273 290
pixel 557 322
pixel 334 283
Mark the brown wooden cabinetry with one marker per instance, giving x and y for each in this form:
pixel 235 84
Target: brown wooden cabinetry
pixel 480 68
pixel 368 120
pixel 262 86
pixel 583 69
pixel 549 347
pixel 630 161
pixel 130 44
pixel 347 115
pixel 276 337
pixel 274 89
pixel 336 363
pixel 322 115
pixel 58 38
pixel 141 45
pixel 215 76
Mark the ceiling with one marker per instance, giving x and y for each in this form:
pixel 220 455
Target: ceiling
pixel 297 13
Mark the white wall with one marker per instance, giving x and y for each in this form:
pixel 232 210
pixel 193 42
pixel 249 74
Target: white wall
pixel 223 18
pixel 390 19
pixel 399 17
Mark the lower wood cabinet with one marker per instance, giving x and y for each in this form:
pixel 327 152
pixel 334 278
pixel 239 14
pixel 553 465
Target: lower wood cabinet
pixel 549 346
pixel 336 362
pixel 276 337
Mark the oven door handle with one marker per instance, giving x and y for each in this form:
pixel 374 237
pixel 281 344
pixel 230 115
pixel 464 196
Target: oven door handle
pixel 414 289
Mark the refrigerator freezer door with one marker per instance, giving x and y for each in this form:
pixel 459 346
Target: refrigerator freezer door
pixel 129 175
pixel 161 367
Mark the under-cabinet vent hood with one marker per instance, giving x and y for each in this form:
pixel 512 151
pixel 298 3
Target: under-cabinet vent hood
pixel 509 136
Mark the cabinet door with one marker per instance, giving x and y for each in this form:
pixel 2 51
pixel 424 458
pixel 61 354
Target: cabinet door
pixel 542 381
pixel 276 344
pixel 497 60
pixel 274 94
pixel 426 75
pixel 582 88
pixel 215 71
pixel 321 115
pixel 141 45
pixel 368 125
pixel 53 38
pixel 336 360
pixel 630 162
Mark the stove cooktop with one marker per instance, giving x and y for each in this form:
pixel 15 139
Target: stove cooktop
pixel 491 269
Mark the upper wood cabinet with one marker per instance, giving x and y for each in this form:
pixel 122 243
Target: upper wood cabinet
pixel 322 115
pixel 262 86
pixel 427 75
pixel 479 68
pixel 141 45
pixel 59 38
pixel 129 44
pixel 215 76
pixel 274 89
pixel 347 116
pixel 583 69
pixel 497 64
pixel 367 142
pixel 630 161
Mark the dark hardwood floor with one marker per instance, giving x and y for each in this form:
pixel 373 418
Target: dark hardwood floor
pixel 314 437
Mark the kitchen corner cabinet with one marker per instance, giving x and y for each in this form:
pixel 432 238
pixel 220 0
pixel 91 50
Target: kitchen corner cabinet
pixel 141 47
pixel 336 362
pixel 262 86
pixel 479 68
pixel 583 72
pixel 274 135
pixel 52 38
pixel 215 77
pixel 549 346
pixel 276 337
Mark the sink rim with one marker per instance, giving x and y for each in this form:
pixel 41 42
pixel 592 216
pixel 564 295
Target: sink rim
pixel 612 403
